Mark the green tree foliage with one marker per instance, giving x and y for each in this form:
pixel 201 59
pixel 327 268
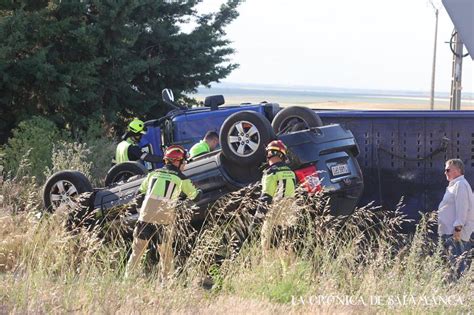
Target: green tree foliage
pixel 108 60
pixel 38 148
pixel 32 143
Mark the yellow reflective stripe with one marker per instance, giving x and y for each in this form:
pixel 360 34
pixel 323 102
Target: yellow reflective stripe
pixel 271 182
pixel 165 185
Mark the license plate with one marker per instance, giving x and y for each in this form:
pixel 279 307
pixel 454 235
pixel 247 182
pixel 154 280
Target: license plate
pixel 340 169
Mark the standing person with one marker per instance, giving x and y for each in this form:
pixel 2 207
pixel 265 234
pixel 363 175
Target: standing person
pixel 206 145
pixel 129 150
pixel 456 214
pixel 161 188
pixel 278 184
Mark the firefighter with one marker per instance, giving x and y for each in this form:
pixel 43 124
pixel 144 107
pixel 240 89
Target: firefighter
pixel 161 189
pixel 278 185
pixel 206 145
pixel 129 150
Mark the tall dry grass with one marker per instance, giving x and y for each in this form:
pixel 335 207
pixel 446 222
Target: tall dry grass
pixel 325 261
pixel 44 269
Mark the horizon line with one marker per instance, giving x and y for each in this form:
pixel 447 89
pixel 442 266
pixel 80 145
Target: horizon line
pixel 281 85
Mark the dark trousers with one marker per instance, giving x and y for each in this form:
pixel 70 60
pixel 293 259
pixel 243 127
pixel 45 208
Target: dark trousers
pixel 458 253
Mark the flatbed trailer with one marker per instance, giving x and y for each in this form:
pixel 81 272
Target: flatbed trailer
pixel 402 153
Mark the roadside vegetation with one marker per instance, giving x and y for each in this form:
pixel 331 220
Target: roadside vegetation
pixel 361 264
pixel 69 61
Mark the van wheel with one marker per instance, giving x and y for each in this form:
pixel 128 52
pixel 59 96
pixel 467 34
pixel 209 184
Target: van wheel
pixel 62 188
pixel 295 118
pixel 123 171
pixel 244 136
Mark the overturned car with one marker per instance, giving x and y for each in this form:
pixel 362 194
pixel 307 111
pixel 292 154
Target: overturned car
pixel 322 157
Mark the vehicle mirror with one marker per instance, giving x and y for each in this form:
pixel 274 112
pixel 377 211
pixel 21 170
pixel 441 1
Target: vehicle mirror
pixel 214 101
pixel 167 96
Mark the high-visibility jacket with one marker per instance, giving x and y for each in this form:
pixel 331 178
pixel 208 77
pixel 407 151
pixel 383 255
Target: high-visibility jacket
pixel 199 148
pixel 162 188
pixel 121 153
pixel 278 181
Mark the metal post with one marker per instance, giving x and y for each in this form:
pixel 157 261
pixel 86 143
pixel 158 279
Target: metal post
pixel 456 86
pixel 433 71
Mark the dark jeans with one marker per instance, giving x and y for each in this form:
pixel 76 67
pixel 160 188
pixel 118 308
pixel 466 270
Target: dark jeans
pixel 458 252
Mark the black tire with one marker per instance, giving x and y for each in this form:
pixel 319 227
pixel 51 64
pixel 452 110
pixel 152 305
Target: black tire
pixel 124 171
pixel 248 146
pixel 241 174
pixel 295 118
pixel 62 188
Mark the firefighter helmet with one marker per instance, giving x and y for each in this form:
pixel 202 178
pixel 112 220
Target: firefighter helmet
pixel 175 153
pixel 276 148
pixel 136 126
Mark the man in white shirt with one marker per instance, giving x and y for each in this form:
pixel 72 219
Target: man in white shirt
pixel 456 212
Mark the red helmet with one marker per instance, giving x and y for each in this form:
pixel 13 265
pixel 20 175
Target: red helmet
pixel 276 148
pixel 175 153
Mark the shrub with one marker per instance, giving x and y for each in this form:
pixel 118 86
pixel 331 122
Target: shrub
pixel 48 149
pixel 101 149
pixel 33 139
pixel 70 156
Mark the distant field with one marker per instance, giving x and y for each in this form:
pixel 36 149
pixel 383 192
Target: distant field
pixel 334 98
pixel 354 105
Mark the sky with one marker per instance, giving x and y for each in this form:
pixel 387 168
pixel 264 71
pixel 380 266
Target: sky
pixel 366 44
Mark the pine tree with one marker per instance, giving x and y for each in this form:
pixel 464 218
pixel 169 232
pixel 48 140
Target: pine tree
pixel 72 60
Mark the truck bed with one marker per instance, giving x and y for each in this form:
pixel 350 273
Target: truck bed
pixel 400 153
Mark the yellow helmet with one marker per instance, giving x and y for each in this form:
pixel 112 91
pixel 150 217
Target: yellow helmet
pixel 136 126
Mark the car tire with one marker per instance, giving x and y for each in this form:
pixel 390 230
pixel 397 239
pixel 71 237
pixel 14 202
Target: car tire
pixel 63 187
pixel 295 118
pixel 241 174
pixel 123 171
pixel 244 136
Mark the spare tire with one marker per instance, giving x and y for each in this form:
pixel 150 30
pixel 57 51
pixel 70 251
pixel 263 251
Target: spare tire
pixel 123 171
pixel 243 137
pixel 63 187
pixel 295 118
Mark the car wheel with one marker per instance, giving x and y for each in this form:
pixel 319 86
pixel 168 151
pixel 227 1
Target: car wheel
pixel 62 188
pixel 244 136
pixel 295 118
pixel 124 171
pixel 241 173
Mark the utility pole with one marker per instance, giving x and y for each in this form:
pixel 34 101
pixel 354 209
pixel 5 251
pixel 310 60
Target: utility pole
pixel 433 71
pixel 456 85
